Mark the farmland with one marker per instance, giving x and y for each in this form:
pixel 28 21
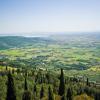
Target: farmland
pixel 80 55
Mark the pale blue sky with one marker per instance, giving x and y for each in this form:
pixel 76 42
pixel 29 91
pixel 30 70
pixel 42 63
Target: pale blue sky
pixel 49 16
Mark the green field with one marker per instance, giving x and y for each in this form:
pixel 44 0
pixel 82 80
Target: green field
pixel 81 60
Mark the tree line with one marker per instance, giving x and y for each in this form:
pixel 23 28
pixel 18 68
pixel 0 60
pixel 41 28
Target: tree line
pixel 61 91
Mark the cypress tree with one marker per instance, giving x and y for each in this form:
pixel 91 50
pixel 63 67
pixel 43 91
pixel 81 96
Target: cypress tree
pixel 97 96
pixel 6 67
pixel 26 95
pixel 63 98
pixel 35 88
pixel 11 95
pixel 35 91
pixel 87 82
pixel 13 71
pixel 62 84
pixel 18 71
pixel 69 94
pixel 25 85
pixel 41 92
pixel 25 73
pixel 50 94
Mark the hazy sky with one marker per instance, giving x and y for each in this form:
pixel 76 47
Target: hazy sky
pixel 49 15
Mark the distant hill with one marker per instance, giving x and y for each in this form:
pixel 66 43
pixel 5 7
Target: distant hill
pixel 7 42
pixel 73 39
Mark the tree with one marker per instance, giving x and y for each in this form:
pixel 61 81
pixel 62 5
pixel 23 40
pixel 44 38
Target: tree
pixel 69 94
pixel 97 96
pixel 35 88
pixel 62 84
pixel 13 71
pixel 11 95
pixel 25 85
pixel 48 78
pixel 50 94
pixel 35 91
pixel 63 97
pixel 26 95
pixel 18 70
pixel 6 67
pixel 41 92
pixel 87 82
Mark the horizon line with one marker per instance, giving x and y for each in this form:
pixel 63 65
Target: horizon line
pixel 51 32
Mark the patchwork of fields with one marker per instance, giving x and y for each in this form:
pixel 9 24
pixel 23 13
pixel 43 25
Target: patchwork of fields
pixel 75 60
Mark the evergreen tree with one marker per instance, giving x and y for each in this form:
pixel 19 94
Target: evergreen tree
pixel 26 95
pixel 62 84
pixel 35 91
pixel 13 71
pixel 87 82
pixel 25 85
pixel 26 73
pixel 41 92
pixel 63 97
pixel 11 95
pixel 55 87
pixel 48 78
pixel 50 94
pixel 69 94
pixel 35 88
pixel 18 71
pixel 97 96
pixel 6 67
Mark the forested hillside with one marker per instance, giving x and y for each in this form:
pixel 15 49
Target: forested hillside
pixel 7 42
pixel 39 84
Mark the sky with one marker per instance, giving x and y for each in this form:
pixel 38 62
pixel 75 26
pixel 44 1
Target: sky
pixel 25 16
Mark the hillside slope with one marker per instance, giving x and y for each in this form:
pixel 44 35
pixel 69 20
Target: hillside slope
pixel 7 42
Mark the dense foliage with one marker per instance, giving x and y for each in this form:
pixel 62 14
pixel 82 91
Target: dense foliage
pixel 36 86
